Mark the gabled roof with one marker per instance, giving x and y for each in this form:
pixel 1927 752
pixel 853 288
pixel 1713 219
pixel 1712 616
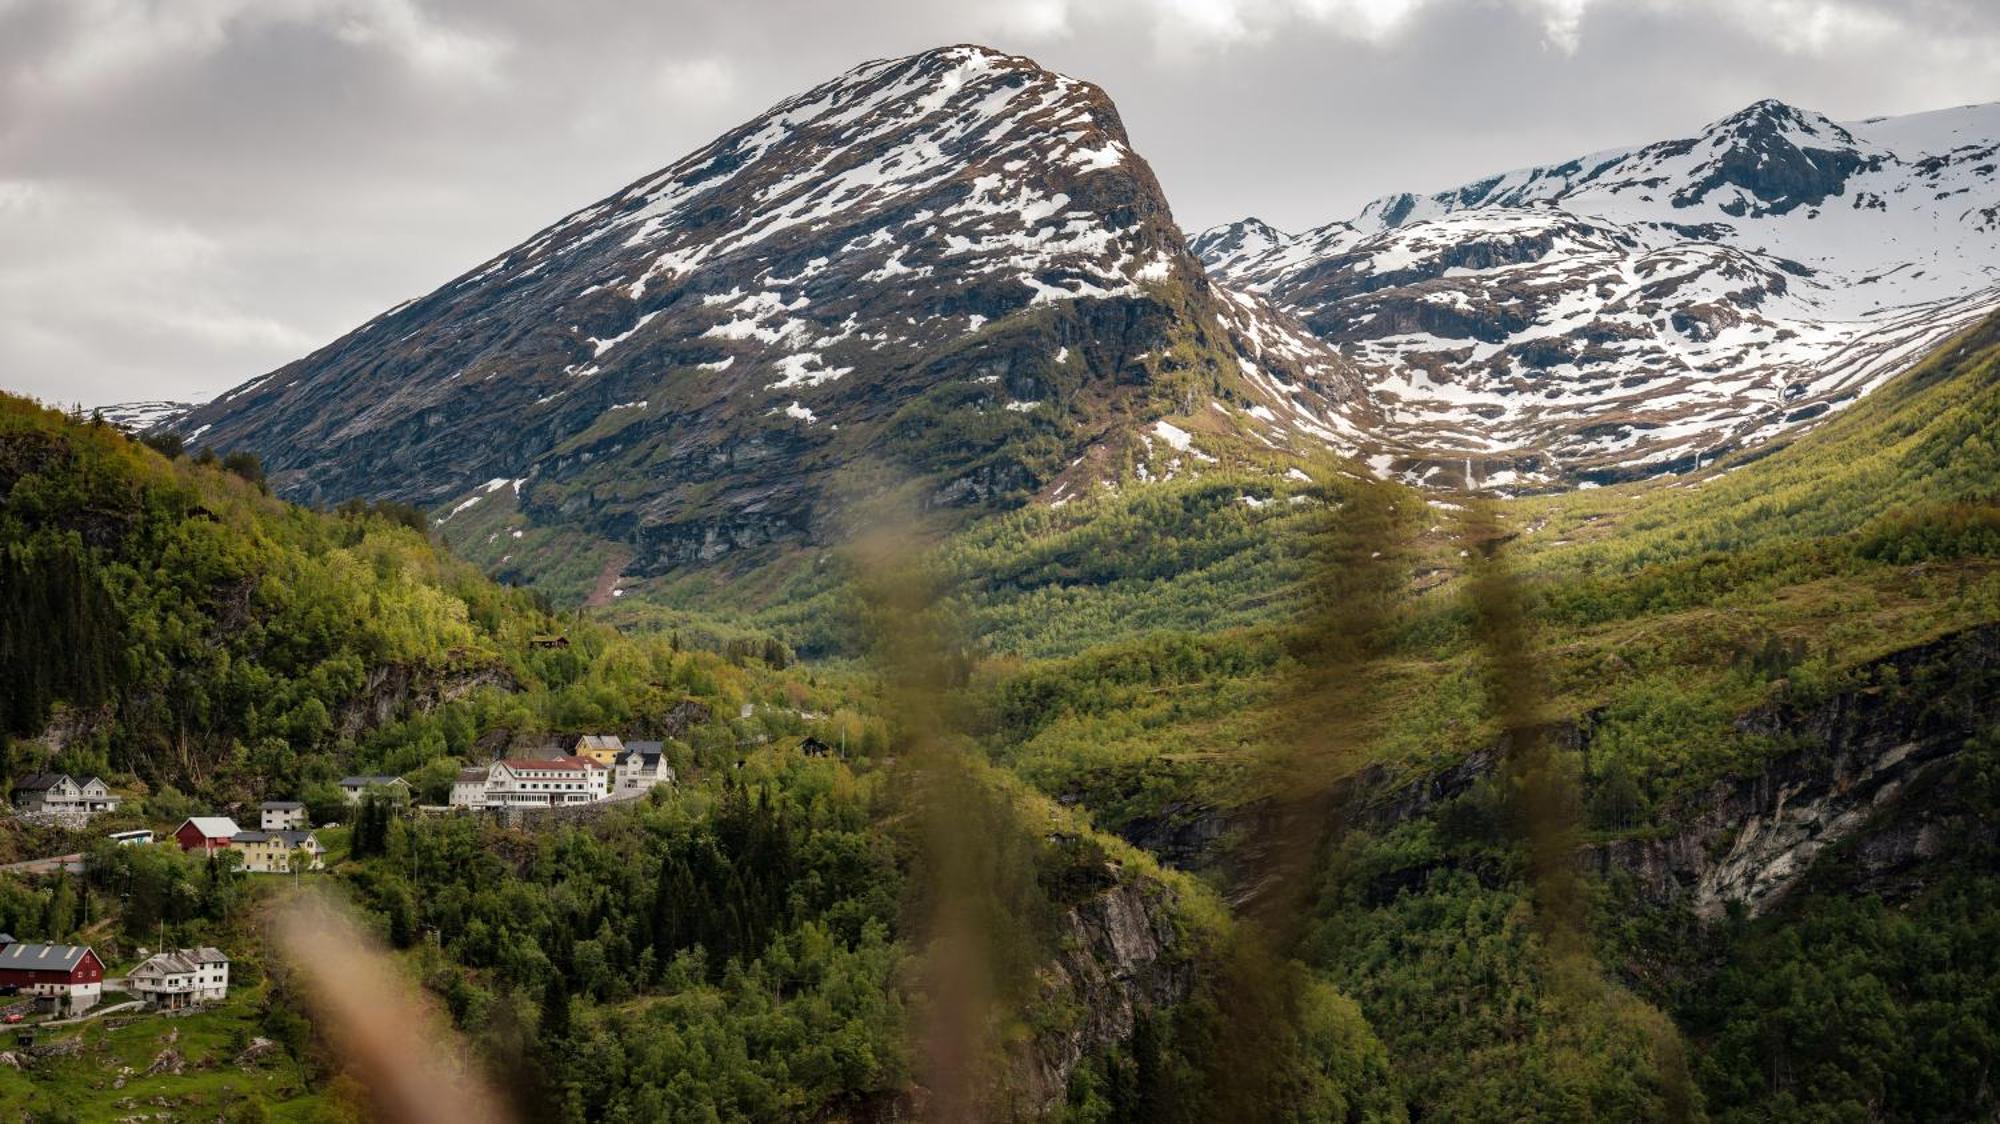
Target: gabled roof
pixel 599 741
pixel 647 750
pixel 469 776
pixel 43 957
pixel 288 837
pixel 572 764
pixel 281 805
pixel 39 782
pixel 212 827
pixel 371 780
pixel 180 961
pixel 163 963
pixel 86 782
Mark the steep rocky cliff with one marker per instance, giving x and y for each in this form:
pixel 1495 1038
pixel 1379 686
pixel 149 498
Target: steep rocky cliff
pixel 1872 773
pixel 1870 770
pixel 1119 955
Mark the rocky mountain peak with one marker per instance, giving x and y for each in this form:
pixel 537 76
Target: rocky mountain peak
pixel 1767 158
pixel 1646 309
pixel 952 262
pixel 993 131
pixel 1771 119
pixel 1237 241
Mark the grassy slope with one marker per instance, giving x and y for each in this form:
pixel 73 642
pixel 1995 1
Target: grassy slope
pixel 105 1077
pixel 1669 609
pixel 85 1085
pixel 1662 611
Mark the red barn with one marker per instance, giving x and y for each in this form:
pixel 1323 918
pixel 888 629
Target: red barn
pixel 70 977
pixel 206 834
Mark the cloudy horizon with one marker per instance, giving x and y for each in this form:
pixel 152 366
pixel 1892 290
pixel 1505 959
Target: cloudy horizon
pixel 192 194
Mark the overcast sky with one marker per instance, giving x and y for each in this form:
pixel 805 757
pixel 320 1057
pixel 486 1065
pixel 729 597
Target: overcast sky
pixel 195 191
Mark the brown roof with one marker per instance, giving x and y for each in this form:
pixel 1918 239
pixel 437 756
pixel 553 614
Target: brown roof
pixel 572 762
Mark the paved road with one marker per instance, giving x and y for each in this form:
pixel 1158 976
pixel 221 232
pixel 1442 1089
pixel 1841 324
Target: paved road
pixel 71 863
pixel 95 1012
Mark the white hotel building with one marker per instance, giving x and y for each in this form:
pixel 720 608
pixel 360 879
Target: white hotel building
pixel 553 783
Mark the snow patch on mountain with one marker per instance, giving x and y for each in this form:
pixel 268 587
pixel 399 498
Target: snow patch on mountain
pixel 138 417
pixel 1640 310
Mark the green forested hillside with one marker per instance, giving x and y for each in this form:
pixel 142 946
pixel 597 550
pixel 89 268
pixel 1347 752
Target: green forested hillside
pixel 169 622
pixel 1146 677
pixel 1661 616
pixel 746 946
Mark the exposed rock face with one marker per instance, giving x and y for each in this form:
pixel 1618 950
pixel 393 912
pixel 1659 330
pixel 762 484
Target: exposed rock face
pixel 686 715
pixel 168 1060
pixel 1182 834
pixel 395 690
pixel 1870 776
pixel 953 263
pixel 257 1051
pixel 1646 310
pixel 1118 955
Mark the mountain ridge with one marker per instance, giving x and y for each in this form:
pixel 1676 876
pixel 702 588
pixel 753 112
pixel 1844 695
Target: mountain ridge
pixel 950 278
pixel 1645 309
pixel 952 262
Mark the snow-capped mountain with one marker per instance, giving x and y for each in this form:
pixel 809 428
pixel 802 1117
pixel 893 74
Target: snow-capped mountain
pixel 952 262
pixel 137 417
pixel 1647 309
pixel 950 274
pixel 1222 248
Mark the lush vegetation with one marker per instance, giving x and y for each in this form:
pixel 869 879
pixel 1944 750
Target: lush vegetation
pixel 1661 617
pixel 171 626
pixel 1139 666
pixel 746 946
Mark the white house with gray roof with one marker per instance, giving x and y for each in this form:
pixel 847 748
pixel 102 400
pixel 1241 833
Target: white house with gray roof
pixel 61 795
pixel 356 787
pixel 182 978
pixel 281 815
pixel 641 767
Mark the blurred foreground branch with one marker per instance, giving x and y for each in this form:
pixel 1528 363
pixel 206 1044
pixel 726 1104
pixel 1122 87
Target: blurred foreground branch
pixel 415 1069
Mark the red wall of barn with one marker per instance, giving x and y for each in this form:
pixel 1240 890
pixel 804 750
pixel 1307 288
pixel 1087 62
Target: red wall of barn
pixel 88 970
pixel 191 839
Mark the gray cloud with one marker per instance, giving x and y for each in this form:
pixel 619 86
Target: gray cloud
pixel 195 192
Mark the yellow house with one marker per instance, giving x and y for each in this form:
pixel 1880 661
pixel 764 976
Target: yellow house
pixel 605 749
pixel 270 852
